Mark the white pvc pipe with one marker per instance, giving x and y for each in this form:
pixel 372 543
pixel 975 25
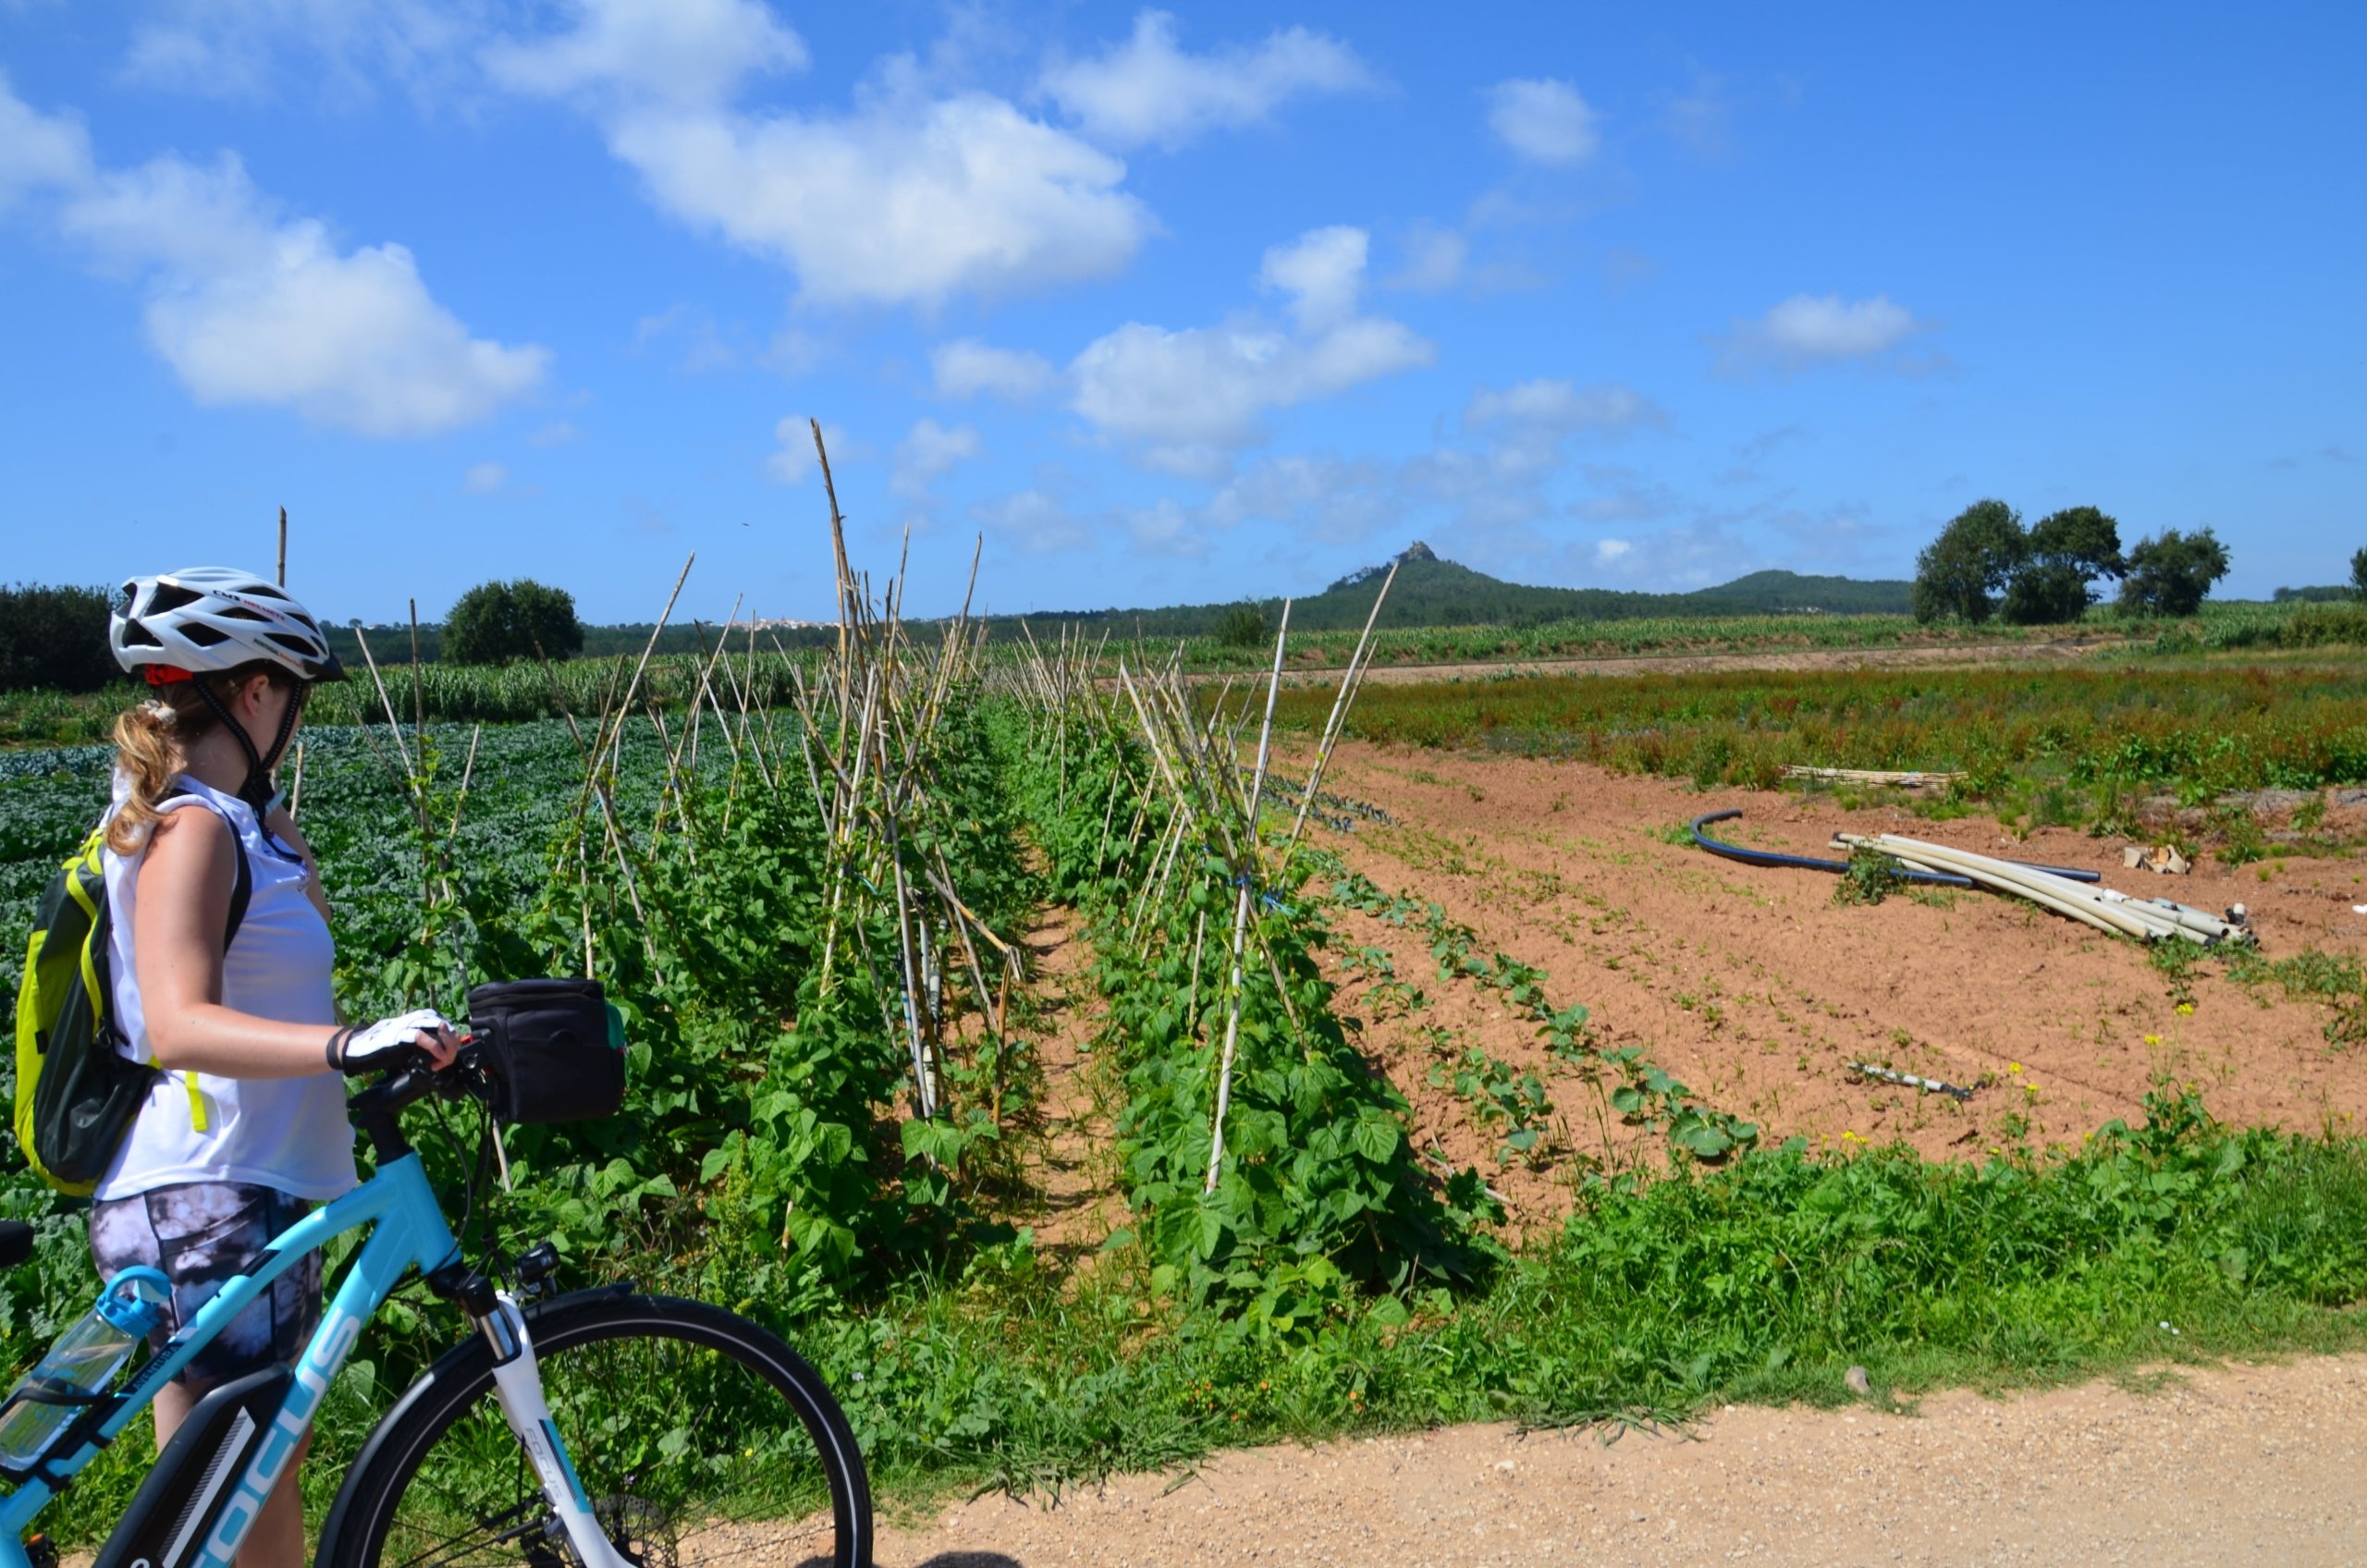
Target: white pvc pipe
pixel 2072 898
pixel 2141 920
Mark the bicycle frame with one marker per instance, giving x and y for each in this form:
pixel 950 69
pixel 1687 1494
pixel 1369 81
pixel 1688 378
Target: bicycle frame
pixel 408 1230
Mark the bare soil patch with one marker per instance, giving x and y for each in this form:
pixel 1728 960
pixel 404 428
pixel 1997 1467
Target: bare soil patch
pixel 1758 991
pixel 2244 1465
pixel 1920 657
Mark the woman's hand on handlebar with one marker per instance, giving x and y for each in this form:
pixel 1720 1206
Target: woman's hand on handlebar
pixel 388 1043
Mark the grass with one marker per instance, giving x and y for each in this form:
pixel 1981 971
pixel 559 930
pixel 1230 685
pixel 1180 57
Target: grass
pixel 1761 1282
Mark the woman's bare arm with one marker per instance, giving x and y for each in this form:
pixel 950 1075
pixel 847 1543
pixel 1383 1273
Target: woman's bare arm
pixel 177 951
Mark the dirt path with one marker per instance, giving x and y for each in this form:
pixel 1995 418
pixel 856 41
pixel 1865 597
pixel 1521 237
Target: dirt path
pixel 2250 1464
pixel 1075 1204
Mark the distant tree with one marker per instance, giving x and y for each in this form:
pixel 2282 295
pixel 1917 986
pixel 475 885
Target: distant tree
pixel 1240 625
pixel 2080 536
pixel 54 637
pixel 2046 593
pixel 2068 550
pixel 1959 573
pixel 496 623
pixel 2358 573
pixel 2172 573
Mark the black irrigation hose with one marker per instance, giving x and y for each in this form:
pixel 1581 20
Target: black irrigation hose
pixel 1807 863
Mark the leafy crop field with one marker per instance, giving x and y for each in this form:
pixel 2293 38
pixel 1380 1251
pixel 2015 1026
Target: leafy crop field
pixel 812 908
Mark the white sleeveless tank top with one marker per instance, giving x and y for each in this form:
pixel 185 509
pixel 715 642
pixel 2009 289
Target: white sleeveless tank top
pixel 287 1133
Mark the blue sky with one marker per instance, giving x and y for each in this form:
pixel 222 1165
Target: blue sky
pixel 1167 305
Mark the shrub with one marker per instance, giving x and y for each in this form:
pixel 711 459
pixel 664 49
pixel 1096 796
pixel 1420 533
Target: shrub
pixel 1240 625
pixel 2172 573
pixel 496 623
pixel 54 637
pixel 1958 574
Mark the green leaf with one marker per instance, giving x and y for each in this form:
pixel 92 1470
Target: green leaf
pixel 1377 1138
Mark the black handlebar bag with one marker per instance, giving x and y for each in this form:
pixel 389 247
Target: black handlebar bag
pixel 554 1049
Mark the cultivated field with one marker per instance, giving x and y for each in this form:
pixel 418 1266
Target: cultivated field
pixel 1075 1114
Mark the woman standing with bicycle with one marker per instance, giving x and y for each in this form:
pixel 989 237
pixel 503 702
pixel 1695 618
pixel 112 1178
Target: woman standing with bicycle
pixel 222 960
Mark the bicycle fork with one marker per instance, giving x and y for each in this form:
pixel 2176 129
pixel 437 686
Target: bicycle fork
pixel 518 1381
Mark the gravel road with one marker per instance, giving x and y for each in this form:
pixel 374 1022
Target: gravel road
pixel 2240 1465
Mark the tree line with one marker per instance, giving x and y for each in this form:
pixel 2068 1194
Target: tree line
pixel 53 636
pixel 1985 564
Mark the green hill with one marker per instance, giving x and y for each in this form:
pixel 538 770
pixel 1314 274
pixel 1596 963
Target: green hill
pixel 1431 592
pixel 1428 592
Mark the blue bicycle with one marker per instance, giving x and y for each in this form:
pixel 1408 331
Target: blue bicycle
pixel 602 1429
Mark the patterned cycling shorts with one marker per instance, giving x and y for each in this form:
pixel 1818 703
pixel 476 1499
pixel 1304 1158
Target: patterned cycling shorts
pixel 200 1235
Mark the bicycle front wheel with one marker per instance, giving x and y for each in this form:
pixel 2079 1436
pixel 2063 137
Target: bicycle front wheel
pixel 700 1438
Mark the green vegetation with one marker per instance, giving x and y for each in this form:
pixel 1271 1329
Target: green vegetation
pixel 1433 594
pixel 771 1157
pixel 2044 572
pixel 2171 575
pixel 500 623
pixel 2198 732
pixel 54 638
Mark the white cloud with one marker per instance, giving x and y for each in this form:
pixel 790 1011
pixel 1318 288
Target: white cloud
pixel 901 202
pixel 1543 120
pixel 1165 528
pixel 1807 329
pixel 248 307
pixel 684 52
pixel 1148 91
pixel 1435 259
pixel 341 49
pixel 928 453
pixel 1188 398
pixel 485 479
pixel 1323 270
pixel 558 433
pixel 1609 550
pixel 908 199
pixel 1034 523
pixel 37 151
pixel 792 458
pixel 965 367
pixel 1559 408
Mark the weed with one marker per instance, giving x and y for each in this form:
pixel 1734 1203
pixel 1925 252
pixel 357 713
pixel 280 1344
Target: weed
pixel 1870 877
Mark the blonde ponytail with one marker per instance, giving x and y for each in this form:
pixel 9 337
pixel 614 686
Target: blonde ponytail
pixel 148 754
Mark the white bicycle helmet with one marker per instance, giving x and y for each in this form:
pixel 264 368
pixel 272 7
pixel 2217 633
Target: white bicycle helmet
pixel 205 618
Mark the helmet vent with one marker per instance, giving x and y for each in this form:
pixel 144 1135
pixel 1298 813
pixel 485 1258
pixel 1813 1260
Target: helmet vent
pixel 241 612
pixel 171 596
pixel 204 636
pixel 265 591
pixel 138 636
pixel 296 645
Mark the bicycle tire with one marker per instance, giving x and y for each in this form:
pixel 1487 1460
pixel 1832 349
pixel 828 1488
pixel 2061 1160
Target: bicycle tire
pixel 438 1459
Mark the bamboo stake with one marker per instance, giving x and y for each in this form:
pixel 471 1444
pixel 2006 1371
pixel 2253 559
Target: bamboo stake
pixel 1244 875
pixel 1338 721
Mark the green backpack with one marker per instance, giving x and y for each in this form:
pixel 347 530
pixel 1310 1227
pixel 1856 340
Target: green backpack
pixel 77 1094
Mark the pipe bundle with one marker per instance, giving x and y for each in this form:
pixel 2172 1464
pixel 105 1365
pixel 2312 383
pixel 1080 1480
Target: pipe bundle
pixel 2148 920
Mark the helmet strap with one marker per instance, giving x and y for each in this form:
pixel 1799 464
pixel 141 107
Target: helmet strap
pixel 257 790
